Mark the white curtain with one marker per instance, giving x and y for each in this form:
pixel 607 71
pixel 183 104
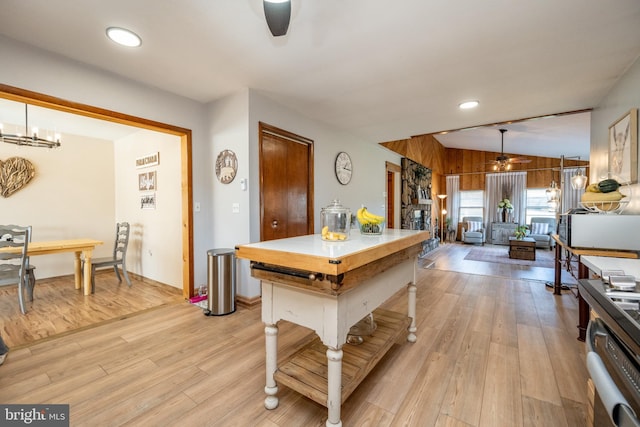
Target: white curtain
pixel 453 200
pixel 570 197
pixel 511 185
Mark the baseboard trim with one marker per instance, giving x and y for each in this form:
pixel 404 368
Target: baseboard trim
pixel 248 302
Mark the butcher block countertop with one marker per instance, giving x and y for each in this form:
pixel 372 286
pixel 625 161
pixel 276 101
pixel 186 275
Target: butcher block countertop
pixel 311 253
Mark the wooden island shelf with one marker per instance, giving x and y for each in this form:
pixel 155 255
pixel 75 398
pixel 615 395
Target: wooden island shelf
pixel 306 371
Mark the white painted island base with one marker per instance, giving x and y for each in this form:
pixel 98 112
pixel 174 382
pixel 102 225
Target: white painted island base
pixel 331 317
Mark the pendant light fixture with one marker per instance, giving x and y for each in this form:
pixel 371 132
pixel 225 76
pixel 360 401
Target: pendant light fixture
pixel 30 139
pixel 553 197
pixel 578 180
pixel 277 14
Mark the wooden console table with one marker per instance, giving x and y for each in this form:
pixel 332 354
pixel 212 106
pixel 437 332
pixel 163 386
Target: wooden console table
pixel 583 273
pixel 501 231
pixel 328 287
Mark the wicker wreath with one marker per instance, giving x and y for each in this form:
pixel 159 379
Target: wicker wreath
pixel 15 173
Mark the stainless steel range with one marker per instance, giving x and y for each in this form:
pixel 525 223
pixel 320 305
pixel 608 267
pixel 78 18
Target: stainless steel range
pixel 613 358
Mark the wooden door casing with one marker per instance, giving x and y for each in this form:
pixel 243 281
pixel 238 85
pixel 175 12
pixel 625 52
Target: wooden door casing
pixel 286 184
pixel 392 170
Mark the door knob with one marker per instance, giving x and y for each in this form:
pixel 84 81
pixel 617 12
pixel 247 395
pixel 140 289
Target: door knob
pixel 274 224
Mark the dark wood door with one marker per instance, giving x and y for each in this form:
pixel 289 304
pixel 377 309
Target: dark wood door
pixel 286 177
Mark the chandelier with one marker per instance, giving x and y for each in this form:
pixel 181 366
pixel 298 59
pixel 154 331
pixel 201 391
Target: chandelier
pixel 30 140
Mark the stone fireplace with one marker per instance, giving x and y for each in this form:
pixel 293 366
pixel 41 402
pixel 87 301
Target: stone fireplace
pixel 416 201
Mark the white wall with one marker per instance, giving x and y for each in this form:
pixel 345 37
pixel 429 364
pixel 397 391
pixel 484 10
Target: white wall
pixel 40 71
pixel 155 241
pixel 229 130
pixel 624 96
pixel 231 123
pixel 71 196
pixel 367 185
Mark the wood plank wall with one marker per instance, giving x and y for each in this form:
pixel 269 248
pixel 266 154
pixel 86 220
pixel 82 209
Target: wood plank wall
pixel 472 165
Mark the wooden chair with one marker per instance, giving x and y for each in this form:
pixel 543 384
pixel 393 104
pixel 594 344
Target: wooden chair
pixel 30 276
pixel 119 257
pixel 13 259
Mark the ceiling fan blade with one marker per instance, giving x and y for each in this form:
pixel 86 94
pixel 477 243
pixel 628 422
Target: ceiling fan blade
pixel 519 160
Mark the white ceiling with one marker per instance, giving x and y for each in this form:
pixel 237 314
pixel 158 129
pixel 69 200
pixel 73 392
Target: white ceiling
pixel 379 69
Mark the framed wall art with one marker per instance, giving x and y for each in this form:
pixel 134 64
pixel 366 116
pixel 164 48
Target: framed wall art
pixel 152 159
pixel 148 201
pixel 147 181
pixel 623 148
pixel 226 166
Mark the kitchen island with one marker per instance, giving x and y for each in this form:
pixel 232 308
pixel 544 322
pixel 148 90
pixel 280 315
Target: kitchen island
pixel 328 287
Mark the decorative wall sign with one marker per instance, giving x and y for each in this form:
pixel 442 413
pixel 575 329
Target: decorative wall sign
pixel 147 181
pixel 15 173
pixel 148 160
pixel 623 148
pixel 226 166
pixel 148 201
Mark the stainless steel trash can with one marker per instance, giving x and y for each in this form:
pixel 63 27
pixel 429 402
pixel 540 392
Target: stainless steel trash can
pixel 221 278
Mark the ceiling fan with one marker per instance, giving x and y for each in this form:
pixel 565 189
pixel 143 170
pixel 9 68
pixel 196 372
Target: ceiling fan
pixel 503 162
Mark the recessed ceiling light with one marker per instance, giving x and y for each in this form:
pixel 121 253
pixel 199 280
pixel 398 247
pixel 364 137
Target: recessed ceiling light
pixel 468 104
pixel 124 37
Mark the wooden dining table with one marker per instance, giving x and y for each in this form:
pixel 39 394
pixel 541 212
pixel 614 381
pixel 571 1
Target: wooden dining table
pixel 77 246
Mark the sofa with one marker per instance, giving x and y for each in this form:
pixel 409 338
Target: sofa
pixel 473 231
pixel 540 230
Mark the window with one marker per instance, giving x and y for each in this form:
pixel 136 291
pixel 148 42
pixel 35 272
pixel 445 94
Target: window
pixel 537 204
pixel 471 203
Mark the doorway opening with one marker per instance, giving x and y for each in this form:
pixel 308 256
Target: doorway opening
pixel 46 101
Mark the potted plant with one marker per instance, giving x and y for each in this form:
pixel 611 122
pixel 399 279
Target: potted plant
pixel 521 231
pixel 504 205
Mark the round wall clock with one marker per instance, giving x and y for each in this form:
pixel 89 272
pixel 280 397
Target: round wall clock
pixel 226 166
pixel 344 168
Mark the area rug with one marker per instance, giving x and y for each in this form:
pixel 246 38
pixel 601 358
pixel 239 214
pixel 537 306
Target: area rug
pixel 500 254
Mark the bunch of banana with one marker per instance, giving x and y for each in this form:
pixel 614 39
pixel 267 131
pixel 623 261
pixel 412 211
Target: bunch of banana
pixel 603 195
pixel 369 223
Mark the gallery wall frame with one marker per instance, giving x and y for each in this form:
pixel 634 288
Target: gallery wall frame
pixel 152 159
pixel 148 201
pixel 623 148
pixel 147 181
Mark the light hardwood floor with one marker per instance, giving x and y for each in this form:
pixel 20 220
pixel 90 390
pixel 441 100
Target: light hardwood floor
pixel 59 308
pixel 491 351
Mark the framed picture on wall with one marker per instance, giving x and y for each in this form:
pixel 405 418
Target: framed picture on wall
pixel 148 201
pixel 623 148
pixel 152 159
pixel 147 181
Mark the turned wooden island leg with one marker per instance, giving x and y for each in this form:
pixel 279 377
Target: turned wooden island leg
pixel 411 310
pixel 271 388
pixel 334 386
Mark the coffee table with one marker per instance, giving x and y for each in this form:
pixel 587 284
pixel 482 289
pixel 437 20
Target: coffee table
pixel 524 248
